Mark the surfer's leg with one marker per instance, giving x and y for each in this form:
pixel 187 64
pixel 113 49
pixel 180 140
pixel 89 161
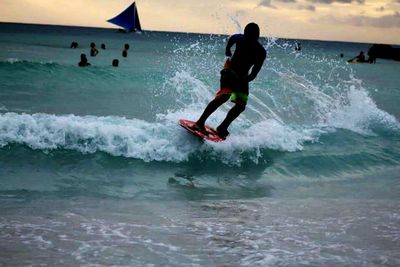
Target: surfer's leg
pixel 233 113
pixel 240 100
pixel 211 107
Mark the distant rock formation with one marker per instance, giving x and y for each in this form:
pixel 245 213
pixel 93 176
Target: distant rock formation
pixel 384 51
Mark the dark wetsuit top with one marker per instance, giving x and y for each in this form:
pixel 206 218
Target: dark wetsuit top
pixel 93 52
pixel 248 54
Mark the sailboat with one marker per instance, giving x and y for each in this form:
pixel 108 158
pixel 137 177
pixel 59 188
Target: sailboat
pixel 128 19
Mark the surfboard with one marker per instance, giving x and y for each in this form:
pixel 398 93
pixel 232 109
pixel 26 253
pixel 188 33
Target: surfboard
pixel 210 133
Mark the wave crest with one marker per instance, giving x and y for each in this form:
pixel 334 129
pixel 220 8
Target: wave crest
pixel 148 141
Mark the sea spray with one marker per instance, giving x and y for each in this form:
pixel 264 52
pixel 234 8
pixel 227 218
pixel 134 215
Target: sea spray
pixel 161 141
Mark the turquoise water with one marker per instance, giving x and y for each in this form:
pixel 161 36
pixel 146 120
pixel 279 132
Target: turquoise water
pixel 94 169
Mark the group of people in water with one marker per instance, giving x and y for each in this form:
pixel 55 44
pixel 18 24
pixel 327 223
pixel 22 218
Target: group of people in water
pixel 94 52
pixel 361 59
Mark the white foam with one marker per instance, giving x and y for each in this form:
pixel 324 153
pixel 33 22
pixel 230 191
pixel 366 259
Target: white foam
pixel 13 60
pixel 191 91
pixel 16 60
pixel 311 102
pixel 159 141
pixel 359 113
pixel 88 134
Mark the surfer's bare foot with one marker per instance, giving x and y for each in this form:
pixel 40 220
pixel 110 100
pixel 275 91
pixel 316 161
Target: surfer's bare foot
pixel 222 132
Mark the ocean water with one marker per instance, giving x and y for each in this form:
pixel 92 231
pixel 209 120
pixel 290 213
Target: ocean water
pixel 94 169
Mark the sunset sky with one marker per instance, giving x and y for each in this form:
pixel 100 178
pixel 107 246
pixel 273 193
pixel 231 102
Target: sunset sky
pixel 372 21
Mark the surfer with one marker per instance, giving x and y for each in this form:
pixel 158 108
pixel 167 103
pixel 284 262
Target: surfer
pixel 84 62
pixel 93 50
pixel 235 77
pixel 125 51
pixel 115 62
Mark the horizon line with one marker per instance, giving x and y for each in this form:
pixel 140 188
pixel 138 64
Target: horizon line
pixel 202 33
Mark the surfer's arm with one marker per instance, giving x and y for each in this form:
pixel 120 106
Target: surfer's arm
pixel 232 40
pixel 256 68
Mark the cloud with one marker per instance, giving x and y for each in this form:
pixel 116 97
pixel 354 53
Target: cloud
pixel 338 1
pixel 266 3
pixel 306 7
pixel 387 21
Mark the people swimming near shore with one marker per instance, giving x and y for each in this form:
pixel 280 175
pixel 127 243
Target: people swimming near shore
pixel 297 47
pixel 125 51
pixel 358 59
pixel 361 58
pixel 115 62
pixel 93 50
pixel 74 45
pixel 84 61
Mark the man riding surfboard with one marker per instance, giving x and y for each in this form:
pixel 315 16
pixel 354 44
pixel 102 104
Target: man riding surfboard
pixel 235 77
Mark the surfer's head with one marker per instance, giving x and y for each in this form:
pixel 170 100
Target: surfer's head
pixel 115 63
pixel 74 44
pixel 252 31
pixel 126 46
pixel 92 45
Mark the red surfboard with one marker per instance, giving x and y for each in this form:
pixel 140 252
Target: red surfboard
pixel 210 133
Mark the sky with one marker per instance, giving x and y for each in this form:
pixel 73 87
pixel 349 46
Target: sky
pixel 369 21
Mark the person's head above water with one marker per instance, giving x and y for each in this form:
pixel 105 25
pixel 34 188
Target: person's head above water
pixel 84 62
pixel 92 45
pixel 252 31
pixel 74 44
